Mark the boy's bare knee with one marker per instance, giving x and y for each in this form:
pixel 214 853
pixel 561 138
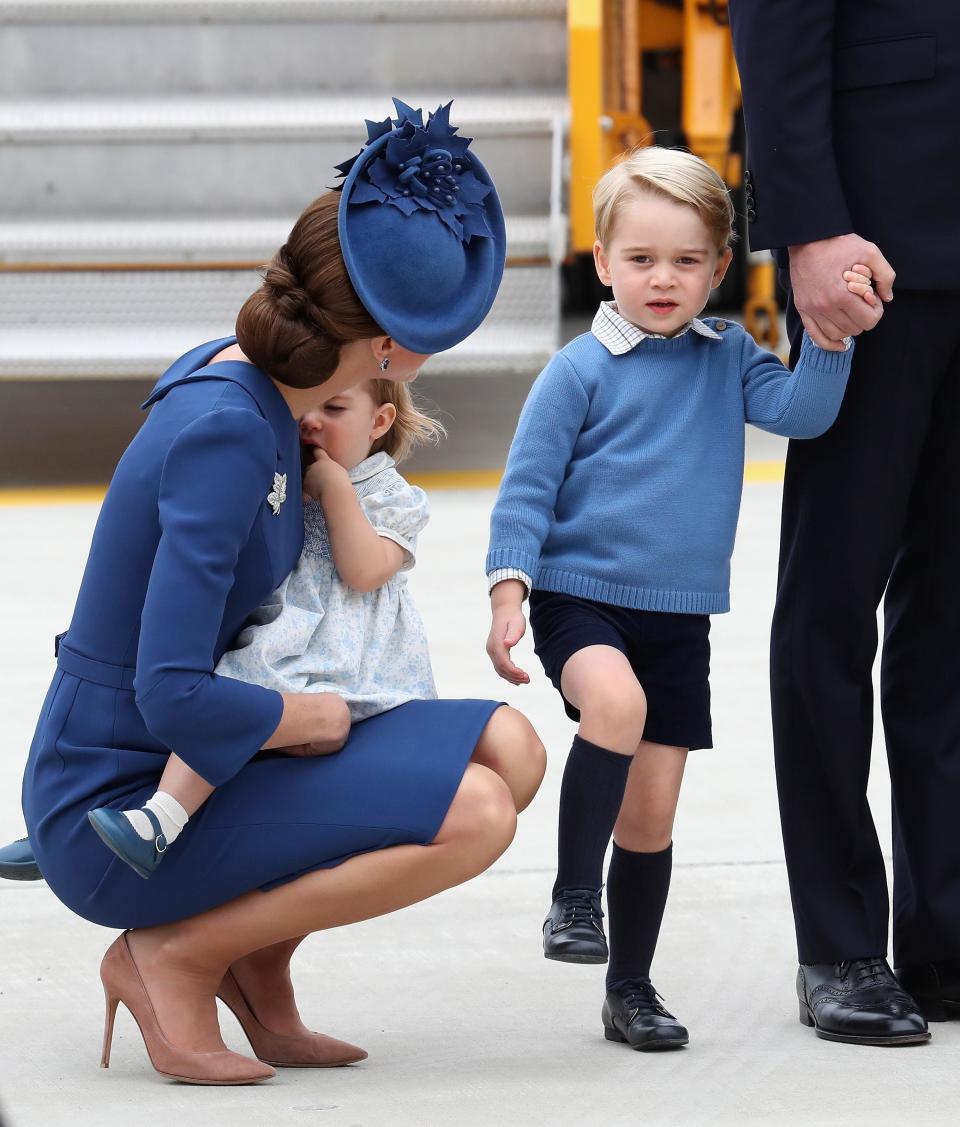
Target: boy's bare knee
pixel 618 715
pixel 644 831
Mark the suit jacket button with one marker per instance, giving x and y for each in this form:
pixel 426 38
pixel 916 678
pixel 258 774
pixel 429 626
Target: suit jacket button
pixel 751 215
pixel 747 176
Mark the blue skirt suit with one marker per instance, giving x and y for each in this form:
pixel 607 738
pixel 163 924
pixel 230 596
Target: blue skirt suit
pixel 203 519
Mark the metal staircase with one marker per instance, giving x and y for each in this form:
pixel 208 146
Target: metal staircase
pixel 153 154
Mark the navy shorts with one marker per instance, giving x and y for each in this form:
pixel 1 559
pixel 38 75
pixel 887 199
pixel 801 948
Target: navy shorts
pixel 669 654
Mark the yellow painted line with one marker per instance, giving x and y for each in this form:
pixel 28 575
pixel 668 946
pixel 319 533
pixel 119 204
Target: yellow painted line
pixel 456 479
pixel 52 495
pixel 763 471
pixel 450 479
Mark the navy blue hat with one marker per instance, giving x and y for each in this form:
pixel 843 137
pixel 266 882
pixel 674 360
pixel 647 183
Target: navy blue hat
pixel 421 229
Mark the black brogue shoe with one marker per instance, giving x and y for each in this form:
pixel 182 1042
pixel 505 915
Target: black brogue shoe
pixel 633 1014
pixel 859 1001
pixel 573 929
pixel 935 987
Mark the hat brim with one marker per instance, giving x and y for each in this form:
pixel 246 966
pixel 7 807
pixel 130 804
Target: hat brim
pixel 422 285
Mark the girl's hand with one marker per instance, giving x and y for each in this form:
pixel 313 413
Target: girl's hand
pixel 509 626
pixel 322 474
pixel 859 279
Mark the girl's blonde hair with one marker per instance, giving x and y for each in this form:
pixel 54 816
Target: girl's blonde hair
pixel 412 426
pixel 673 174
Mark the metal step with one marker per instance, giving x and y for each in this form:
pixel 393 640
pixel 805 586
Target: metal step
pixel 193 240
pixel 136 353
pixel 224 11
pixel 238 118
pixel 241 156
pixel 120 324
pixel 90 49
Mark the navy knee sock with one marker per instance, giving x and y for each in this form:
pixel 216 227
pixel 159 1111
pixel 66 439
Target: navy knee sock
pixel 637 887
pixel 594 780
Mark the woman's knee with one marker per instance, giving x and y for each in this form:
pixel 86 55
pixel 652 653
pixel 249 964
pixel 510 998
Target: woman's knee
pixel 512 749
pixel 482 818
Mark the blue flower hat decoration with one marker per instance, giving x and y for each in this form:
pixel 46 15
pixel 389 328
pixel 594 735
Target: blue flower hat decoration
pixel 421 229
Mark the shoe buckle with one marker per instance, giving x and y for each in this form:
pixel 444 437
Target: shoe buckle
pixel 156 843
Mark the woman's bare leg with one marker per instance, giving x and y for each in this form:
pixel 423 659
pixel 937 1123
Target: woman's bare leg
pixel 264 978
pixel 182 963
pixel 510 747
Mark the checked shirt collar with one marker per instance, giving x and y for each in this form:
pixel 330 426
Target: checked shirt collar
pixel 618 335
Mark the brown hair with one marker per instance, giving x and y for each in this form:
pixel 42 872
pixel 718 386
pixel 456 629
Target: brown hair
pixel 306 308
pixel 412 426
pixel 674 174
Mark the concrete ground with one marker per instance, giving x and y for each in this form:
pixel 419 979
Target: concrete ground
pixel 465 1022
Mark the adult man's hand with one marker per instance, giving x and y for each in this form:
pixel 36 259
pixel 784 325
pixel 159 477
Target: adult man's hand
pixel 827 308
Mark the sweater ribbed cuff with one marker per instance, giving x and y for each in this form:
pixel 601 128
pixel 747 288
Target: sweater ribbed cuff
pixel 498 558
pixel 824 360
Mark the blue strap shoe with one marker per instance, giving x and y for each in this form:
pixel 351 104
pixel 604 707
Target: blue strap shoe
pixel 17 861
pixel 143 855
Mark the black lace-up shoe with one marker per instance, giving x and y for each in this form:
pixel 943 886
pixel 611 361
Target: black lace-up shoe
pixel 633 1014
pixel 935 987
pixel 573 929
pixel 858 1001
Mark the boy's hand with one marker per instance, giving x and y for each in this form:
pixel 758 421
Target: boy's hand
pixel 508 627
pixel 322 474
pixel 859 279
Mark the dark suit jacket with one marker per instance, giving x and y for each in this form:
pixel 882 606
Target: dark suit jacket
pixel 852 110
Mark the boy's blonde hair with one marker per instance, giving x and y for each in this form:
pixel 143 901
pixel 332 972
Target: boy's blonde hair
pixel 411 428
pixel 673 174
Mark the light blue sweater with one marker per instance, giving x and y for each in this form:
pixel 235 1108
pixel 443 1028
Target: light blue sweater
pixel 624 478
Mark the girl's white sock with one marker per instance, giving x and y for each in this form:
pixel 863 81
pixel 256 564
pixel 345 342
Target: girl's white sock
pixel 169 813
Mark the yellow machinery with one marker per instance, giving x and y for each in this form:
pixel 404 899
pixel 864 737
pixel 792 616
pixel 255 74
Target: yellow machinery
pixel 660 71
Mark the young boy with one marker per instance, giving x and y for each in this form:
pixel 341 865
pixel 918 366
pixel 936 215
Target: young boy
pixel 617 514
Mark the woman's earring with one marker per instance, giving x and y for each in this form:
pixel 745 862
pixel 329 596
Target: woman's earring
pixel 384 363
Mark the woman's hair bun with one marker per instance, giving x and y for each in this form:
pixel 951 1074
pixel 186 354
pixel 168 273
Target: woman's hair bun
pixel 292 327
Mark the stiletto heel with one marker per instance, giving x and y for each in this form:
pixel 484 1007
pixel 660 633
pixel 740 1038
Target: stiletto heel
pixel 122 983
pixel 287 1050
pixel 112 1003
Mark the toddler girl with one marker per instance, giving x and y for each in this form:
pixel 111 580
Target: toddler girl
pixel 343 621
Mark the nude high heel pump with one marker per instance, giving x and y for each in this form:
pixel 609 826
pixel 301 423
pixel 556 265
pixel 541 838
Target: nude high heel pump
pixel 286 1050
pixel 122 983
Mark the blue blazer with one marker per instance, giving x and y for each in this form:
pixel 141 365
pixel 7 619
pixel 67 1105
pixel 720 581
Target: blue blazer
pixel 850 108
pixel 186 546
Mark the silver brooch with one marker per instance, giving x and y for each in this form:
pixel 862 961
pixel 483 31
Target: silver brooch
pixel 279 494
